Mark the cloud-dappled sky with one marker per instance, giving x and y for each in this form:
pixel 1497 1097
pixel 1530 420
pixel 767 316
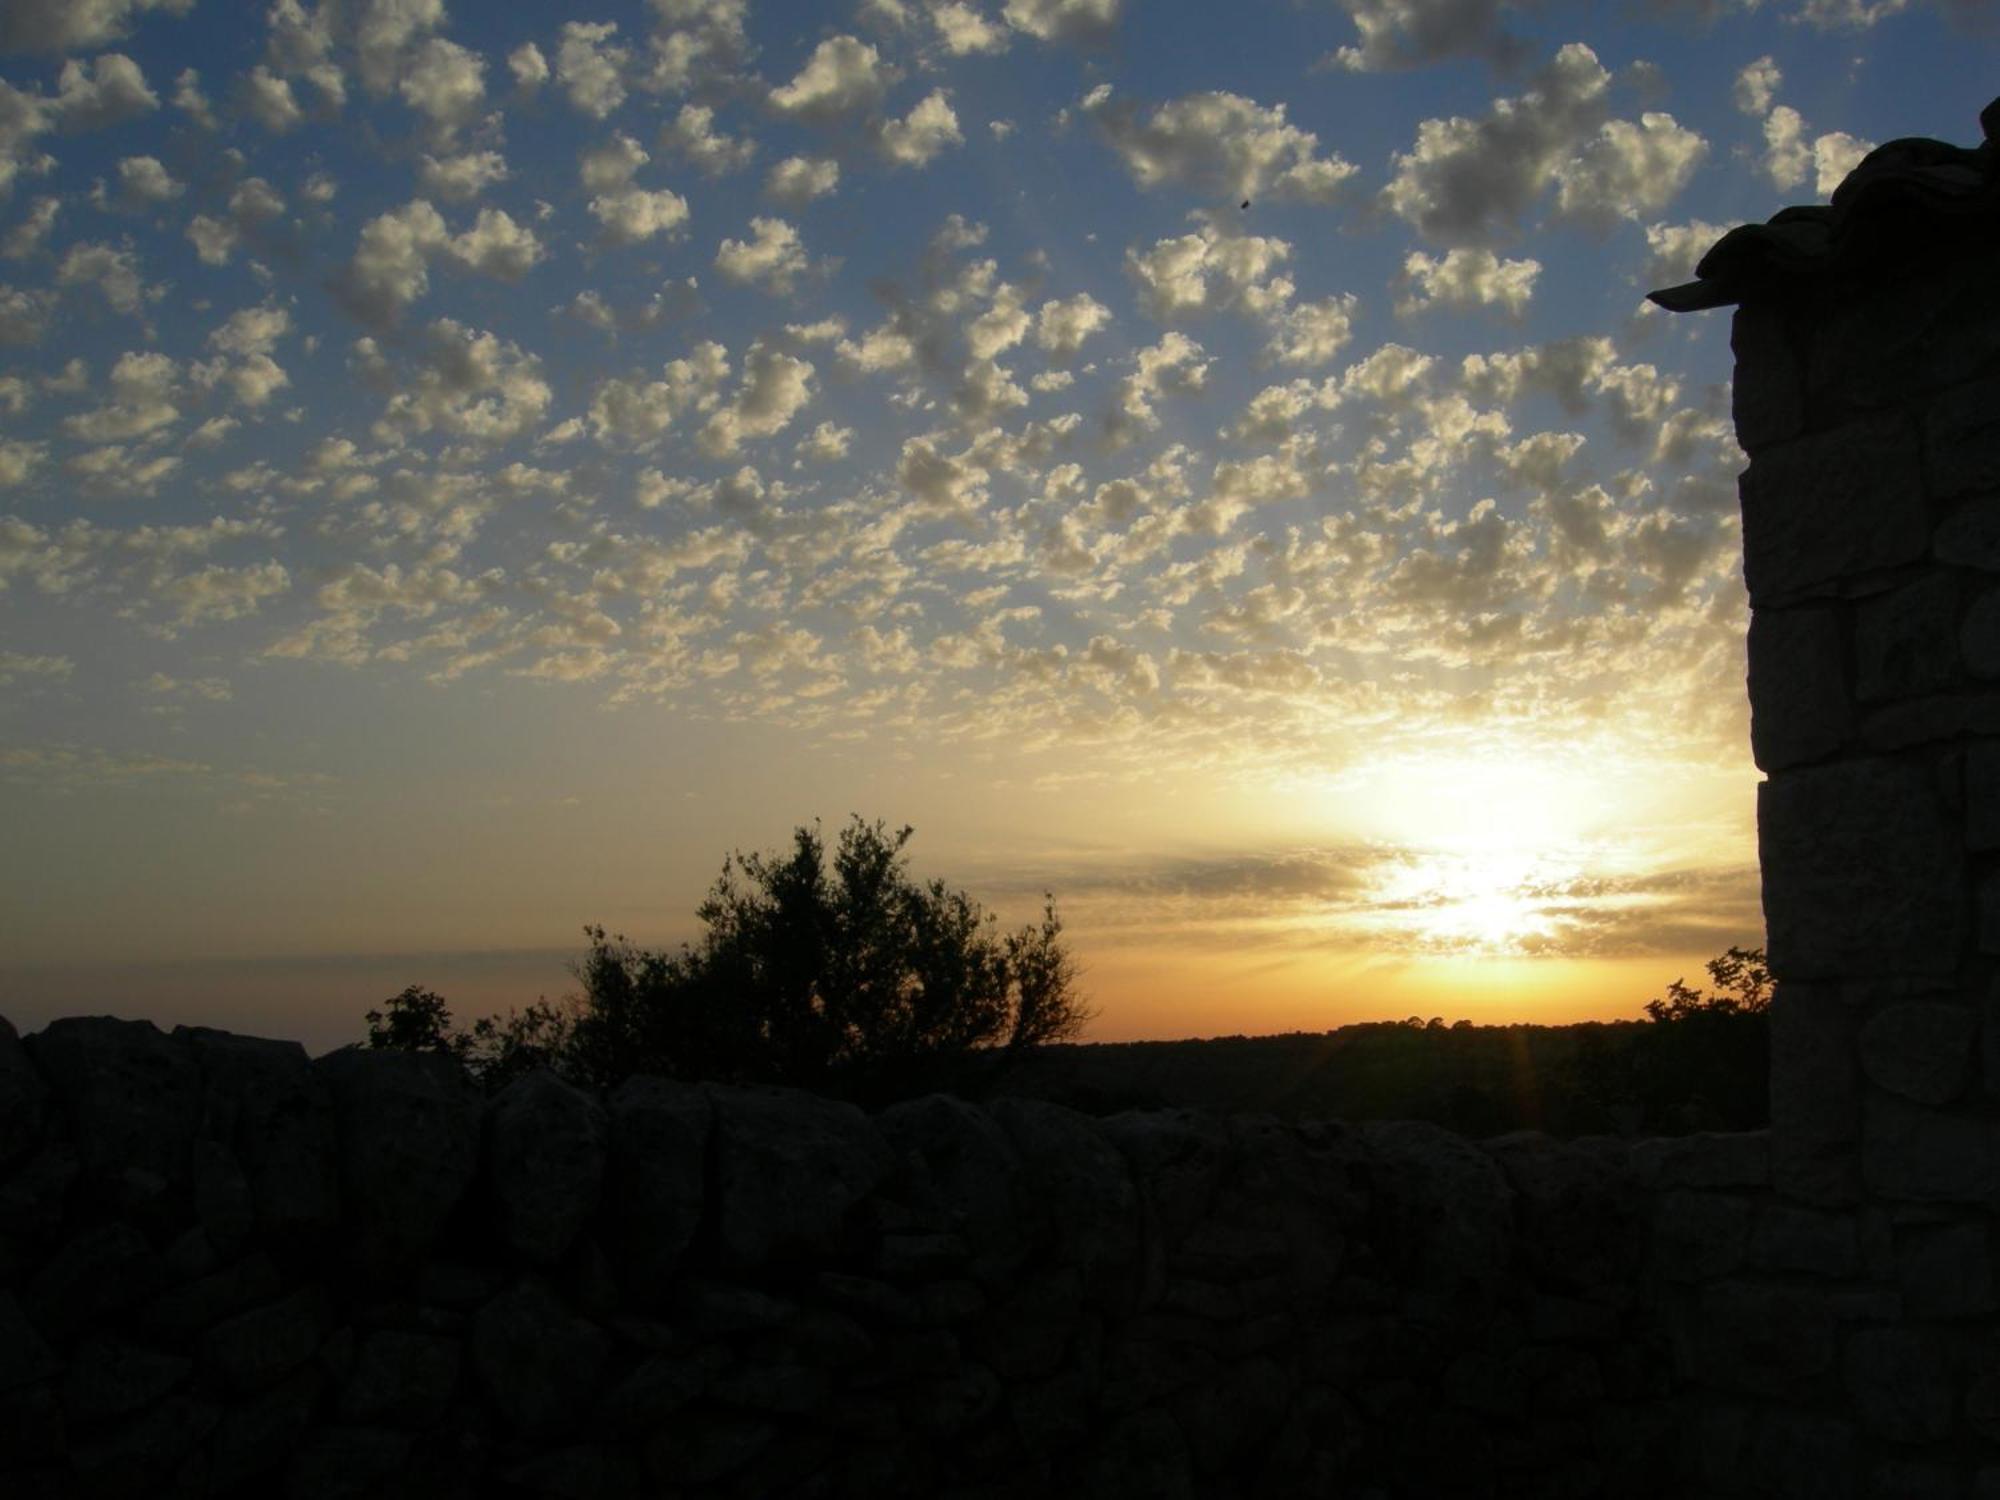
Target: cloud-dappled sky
pixel 464 468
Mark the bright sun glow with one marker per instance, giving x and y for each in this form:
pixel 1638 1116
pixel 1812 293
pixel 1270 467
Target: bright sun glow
pixel 1498 852
pixel 1473 900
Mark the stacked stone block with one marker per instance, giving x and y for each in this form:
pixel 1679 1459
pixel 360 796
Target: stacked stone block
pixel 1870 408
pixel 228 1270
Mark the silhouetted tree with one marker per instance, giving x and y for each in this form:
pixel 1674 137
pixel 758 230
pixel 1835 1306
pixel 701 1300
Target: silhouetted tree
pixel 841 973
pixel 807 969
pixel 417 1020
pixel 493 1050
pixel 1742 983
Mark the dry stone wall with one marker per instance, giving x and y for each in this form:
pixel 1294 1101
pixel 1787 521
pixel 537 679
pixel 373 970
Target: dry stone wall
pixel 228 1270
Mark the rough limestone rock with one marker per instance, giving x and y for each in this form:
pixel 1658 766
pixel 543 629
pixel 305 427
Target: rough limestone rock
pixel 1450 1203
pixel 265 1101
pixel 1906 641
pixel 23 1099
pixel 24 1356
pixel 544 1154
pixel 1901 1384
pixel 538 1362
pixel 254 1349
pixel 1862 874
pixel 1919 1049
pixel 656 1181
pixel 1979 636
pixel 1823 508
pixel 109 1378
pixel 973 1171
pixel 1178 1156
pixel 1080 1178
pixel 1799 711
pixel 1914 1154
pixel 790 1170
pixel 408 1128
pixel 1815 1095
pixel 132 1095
pixel 1756 1338
pixel 1982 796
pixel 1946 1271
pixel 400 1379
pixel 1962 439
pixel 1577 1206
pixel 1791 1238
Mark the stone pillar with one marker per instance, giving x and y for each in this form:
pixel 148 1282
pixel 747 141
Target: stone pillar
pixel 1867 395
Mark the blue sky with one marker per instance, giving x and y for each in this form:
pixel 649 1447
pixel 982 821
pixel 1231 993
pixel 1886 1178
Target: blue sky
pixel 462 469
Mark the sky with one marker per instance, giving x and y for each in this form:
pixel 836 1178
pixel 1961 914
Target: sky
pixel 464 469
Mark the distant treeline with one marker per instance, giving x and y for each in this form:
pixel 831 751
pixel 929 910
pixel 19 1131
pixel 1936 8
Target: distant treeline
pixel 1699 1061
pixel 1703 1071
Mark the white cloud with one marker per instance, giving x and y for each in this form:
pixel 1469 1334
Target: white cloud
pixel 928 129
pixel 800 179
pixel 1398 34
pixel 775 388
pixel 1063 324
pixel 1786 154
pixel 965 29
pixel 251 330
pixel 1757 85
pixel 634 214
pixel 1207 271
pixel 1311 333
pixel 774 256
pixel 590 66
pixel 143 180
pixel 826 443
pixel 457 179
pixel 216 593
pixel 1628 170
pixel 143 393
pixel 1673 250
pixel 253 202
pixel 1063 20
pixel 693 135
pixel 113 270
pixel 468 384
pixel 1221 145
pixel 24 314
pixel 444 82
pixel 844 75
pixel 529 68
pixel 1835 154
pixel 68 25
pixel 18 460
pixel 612 164
pixel 268 99
pixel 1467 278
pixel 27 238
pixel 1172 366
pixel 110 91
pixel 191 101
pixel 385 31
pixel 23 116
pixel 1467 181
pixel 884 347
pixel 497 246
pixel 632 413
pixel 391 264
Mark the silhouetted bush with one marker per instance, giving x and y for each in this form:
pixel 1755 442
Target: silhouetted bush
pixel 853 978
